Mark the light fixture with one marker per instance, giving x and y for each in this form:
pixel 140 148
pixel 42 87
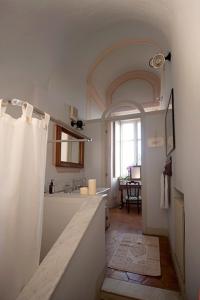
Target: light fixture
pixel 79 124
pixel 158 60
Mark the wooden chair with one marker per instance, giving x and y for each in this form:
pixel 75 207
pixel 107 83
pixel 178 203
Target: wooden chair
pixel 133 195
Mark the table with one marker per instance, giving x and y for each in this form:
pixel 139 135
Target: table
pixel 122 186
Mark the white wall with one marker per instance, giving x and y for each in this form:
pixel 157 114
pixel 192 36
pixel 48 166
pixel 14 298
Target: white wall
pixel 57 214
pixel 98 160
pixel 153 160
pixel 84 275
pixel 186 73
pixel 32 69
pixel 134 90
pixel 95 152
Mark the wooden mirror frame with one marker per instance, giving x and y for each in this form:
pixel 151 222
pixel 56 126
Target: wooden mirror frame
pixel 59 162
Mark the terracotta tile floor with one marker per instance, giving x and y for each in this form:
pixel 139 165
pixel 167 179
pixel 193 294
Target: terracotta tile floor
pixel 121 221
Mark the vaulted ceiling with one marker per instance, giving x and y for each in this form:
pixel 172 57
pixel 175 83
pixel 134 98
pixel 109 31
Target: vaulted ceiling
pixel 76 18
pixel 94 42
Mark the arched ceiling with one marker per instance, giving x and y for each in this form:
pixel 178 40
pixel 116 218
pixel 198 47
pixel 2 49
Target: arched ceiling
pixel 124 57
pixel 140 90
pixel 133 56
pixel 37 36
pixel 126 60
pixel 73 19
pixel 145 84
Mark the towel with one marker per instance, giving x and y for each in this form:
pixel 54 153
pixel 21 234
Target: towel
pixel 164 195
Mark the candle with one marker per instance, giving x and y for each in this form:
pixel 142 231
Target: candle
pixel 92 186
pixel 84 190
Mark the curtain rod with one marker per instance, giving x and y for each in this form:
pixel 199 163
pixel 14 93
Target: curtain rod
pixel 84 138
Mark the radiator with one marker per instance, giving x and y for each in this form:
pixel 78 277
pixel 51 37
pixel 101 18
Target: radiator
pixel 180 235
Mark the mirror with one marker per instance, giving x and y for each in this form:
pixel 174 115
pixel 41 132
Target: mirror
pixel 69 154
pixel 136 172
pixel 169 125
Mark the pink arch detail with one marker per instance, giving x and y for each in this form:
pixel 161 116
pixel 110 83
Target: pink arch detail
pixel 92 93
pixel 149 77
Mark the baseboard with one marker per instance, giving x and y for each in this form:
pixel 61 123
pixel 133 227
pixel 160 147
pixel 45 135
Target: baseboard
pixel 179 276
pixel 110 296
pixel 156 231
pixel 113 202
pixel 99 283
pixel 114 289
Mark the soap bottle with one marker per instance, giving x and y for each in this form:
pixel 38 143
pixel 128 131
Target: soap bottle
pixel 51 187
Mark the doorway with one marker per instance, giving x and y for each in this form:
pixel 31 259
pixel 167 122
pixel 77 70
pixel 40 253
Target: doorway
pixel 123 146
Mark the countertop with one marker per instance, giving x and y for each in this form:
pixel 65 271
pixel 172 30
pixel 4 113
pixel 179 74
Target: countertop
pixel 100 190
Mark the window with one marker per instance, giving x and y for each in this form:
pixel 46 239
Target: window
pixel 127 145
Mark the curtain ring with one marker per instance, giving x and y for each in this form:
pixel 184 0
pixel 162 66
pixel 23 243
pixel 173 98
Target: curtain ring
pixel 46 120
pixel 27 111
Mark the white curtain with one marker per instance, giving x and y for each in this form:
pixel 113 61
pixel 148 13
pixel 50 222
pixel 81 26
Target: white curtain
pixel 23 143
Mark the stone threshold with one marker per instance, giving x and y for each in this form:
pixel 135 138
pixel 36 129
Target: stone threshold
pixel 113 289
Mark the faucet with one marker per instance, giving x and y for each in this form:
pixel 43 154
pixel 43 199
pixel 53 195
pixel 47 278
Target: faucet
pixel 77 183
pixel 68 188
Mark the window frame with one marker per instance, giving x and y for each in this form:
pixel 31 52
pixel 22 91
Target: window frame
pixel 135 140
